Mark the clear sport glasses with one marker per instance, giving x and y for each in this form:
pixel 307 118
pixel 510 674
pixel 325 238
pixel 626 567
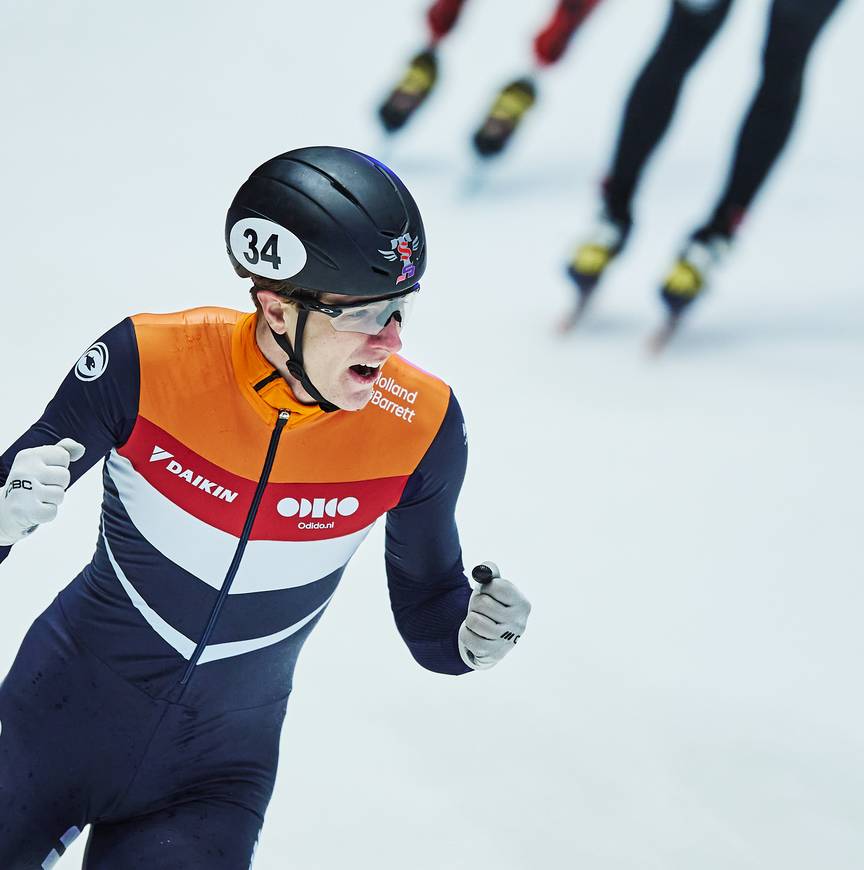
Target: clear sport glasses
pixel 369 316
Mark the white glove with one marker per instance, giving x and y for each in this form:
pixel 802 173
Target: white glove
pixel 497 615
pixel 35 488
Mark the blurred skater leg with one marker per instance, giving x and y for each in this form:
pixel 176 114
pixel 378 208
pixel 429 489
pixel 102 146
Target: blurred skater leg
pixel 651 104
pixel 442 17
pixel 421 74
pixel 647 114
pixel 792 31
pixel 513 101
pixel 552 41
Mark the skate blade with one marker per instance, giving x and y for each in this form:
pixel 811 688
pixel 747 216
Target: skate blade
pixel 575 316
pixel 585 287
pixel 659 341
pixel 476 179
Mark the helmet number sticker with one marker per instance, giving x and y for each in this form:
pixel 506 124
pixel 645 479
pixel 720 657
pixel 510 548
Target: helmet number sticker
pixel 269 253
pixel 267 249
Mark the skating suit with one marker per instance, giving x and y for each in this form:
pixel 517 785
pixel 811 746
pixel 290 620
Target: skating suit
pixel 147 700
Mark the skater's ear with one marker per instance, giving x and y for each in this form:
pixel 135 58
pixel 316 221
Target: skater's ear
pixel 275 306
pixel 272 307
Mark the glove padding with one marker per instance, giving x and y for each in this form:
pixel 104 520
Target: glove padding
pixel 35 488
pixel 497 615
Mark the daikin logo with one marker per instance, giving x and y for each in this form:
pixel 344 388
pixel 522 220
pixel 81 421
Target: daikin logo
pixel 159 453
pixel 193 479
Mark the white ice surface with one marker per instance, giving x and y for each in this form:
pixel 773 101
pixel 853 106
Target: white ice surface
pixel 688 693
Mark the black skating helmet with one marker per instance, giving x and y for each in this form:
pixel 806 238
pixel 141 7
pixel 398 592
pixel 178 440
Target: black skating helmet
pixel 328 219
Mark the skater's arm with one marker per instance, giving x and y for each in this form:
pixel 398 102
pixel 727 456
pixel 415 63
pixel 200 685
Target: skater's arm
pixel 428 589
pixel 95 406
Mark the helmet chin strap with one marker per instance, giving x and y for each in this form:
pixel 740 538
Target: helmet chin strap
pixel 295 361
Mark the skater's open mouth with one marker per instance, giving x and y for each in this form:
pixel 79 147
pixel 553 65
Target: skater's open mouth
pixel 366 373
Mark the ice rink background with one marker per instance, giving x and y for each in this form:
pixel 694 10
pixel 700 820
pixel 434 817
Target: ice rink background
pixel 688 692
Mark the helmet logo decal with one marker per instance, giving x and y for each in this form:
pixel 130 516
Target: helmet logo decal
pixel 403 248
pixel 267 249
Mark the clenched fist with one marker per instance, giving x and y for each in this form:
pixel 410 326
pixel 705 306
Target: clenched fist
pixel 497 615
pixel 35 488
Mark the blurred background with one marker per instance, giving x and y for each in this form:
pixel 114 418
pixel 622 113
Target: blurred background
pixel 687 694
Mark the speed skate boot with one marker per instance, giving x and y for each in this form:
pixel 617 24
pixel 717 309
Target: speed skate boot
pixel 692 271
pixel 504 117
pixel 593 256
pixel 687 280
pixel 411 91
pixel 589 262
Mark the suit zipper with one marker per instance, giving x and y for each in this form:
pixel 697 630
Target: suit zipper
pixel 241 546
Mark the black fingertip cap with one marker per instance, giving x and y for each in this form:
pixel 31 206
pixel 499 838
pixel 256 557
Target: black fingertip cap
pixel 482 574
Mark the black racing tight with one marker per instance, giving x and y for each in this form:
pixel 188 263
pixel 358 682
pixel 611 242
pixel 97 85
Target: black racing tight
pixel 792 29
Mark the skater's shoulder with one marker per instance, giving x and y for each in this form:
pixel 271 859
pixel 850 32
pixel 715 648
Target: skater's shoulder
pixel 401 379
pixel 407 401
pixel 193 329
pixel 410 373
pixel 191 319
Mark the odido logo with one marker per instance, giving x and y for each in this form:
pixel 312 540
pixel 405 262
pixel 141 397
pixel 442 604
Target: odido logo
pixel 318 508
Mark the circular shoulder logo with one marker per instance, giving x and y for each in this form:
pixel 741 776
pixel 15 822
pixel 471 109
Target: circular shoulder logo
pixel 267 249
pixel 93 362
